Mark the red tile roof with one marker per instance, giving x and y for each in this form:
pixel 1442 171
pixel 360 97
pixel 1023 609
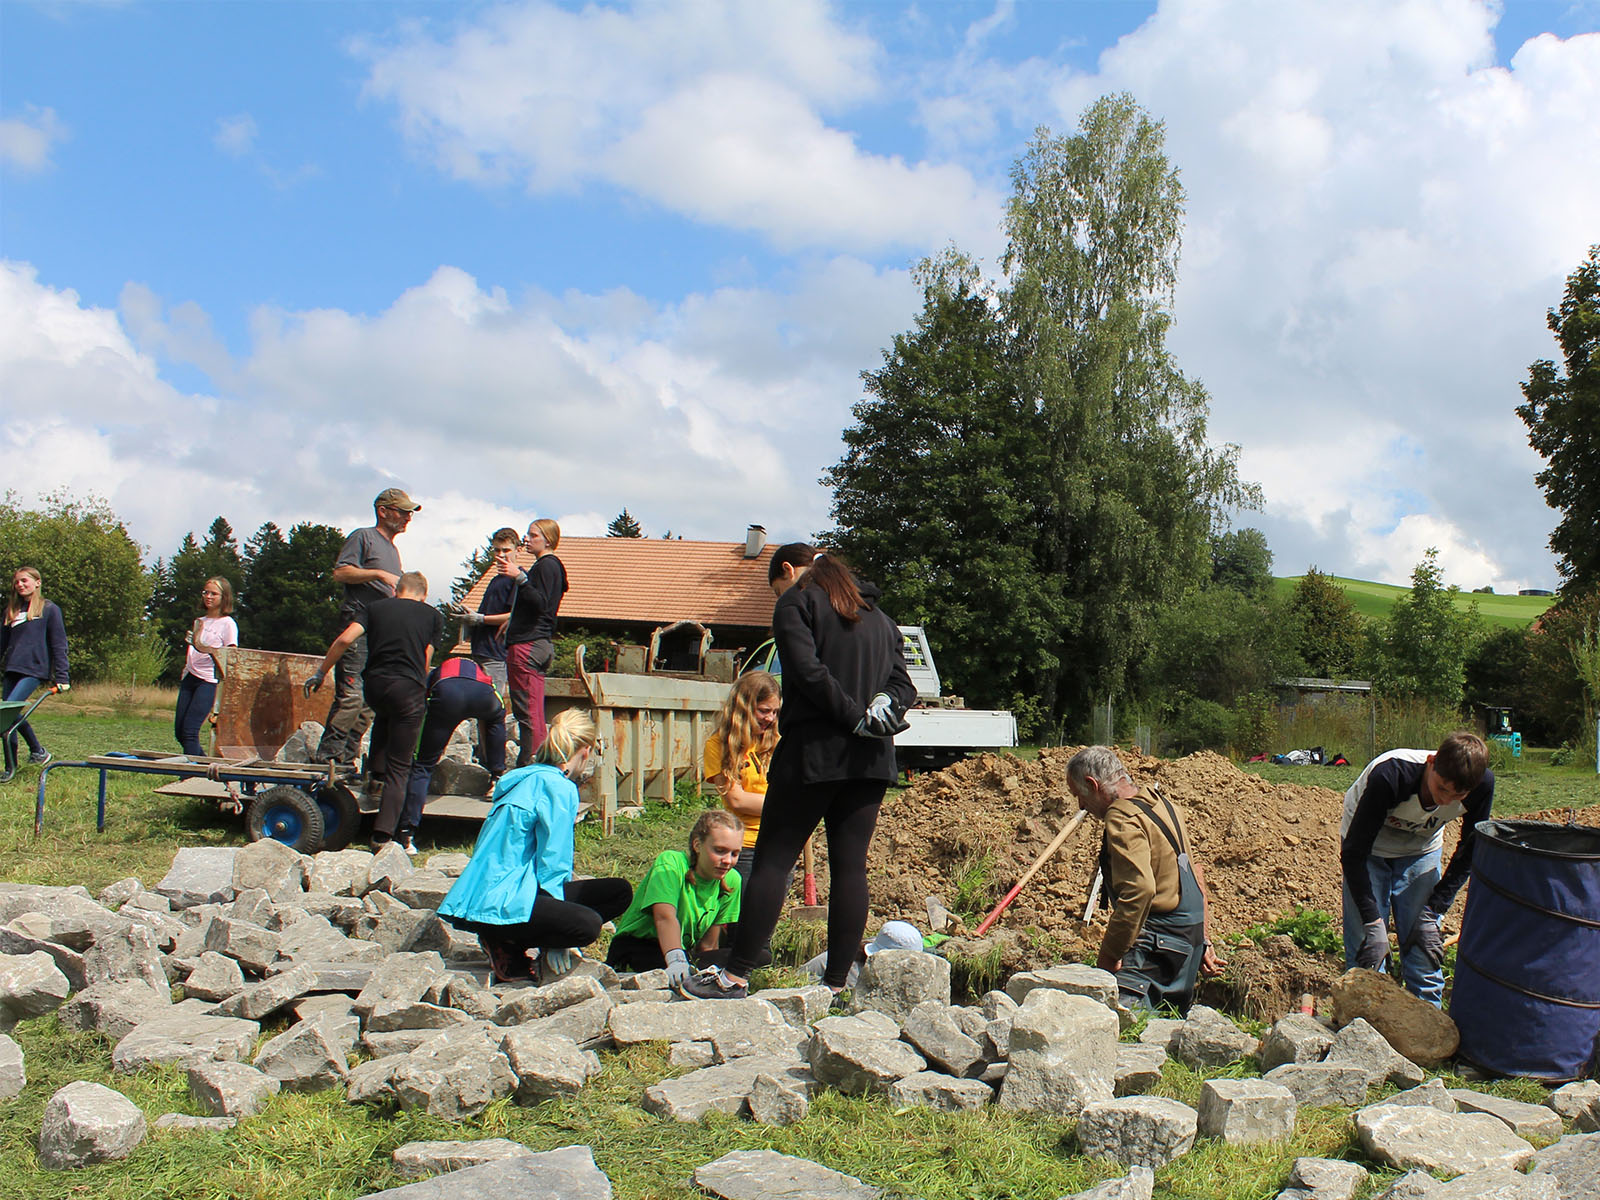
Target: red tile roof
pixel 658 581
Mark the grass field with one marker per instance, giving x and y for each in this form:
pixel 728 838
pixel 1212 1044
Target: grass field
pixel 1374 600
pixel 316 1147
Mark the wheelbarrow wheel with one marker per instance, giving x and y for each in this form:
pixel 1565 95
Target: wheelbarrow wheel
pixel 341 815
pixel 288 815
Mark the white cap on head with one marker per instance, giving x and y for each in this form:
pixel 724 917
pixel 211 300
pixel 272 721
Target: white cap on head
pixel 896 935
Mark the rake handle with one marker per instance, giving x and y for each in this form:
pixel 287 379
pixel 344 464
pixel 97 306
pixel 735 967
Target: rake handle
pixel 1067 831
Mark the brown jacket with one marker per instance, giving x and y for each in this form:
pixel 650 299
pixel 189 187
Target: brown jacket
pixel 1142 875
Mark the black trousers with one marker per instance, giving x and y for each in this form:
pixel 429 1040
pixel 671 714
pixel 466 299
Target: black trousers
pixel 560 924
pixel 398 705
pixel 849 810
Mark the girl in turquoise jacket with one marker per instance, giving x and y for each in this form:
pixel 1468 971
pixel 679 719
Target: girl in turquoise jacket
pixel 517 894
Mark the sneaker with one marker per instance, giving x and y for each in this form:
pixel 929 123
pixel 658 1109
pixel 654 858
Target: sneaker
pixel 6 774
pixel 407 843
pixel 712 983
pixel 509 963
pixel 39 757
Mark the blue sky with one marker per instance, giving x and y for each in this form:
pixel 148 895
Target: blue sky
pixel 264 259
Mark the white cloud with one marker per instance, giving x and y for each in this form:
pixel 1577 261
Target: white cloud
pixel 711 108
pixel 703 415
pixel 235 135
pixel 26 142
pixel 1379 217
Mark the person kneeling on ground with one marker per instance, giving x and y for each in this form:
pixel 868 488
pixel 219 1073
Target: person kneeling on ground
pixel 1391 842
pixel 684 904
pixel 517 893
pixel 895 935
pixel 1156 942
pixel 400 633
pixel 458 690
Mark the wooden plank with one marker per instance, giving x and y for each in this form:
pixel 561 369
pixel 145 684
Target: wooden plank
pixel 658 692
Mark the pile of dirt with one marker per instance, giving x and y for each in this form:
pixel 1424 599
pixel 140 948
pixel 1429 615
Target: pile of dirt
pixel 967 833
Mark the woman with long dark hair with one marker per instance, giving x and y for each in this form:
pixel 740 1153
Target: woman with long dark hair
pixel 845 694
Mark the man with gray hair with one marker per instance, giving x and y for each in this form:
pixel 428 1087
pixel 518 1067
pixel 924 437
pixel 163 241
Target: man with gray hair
pixel 1156 942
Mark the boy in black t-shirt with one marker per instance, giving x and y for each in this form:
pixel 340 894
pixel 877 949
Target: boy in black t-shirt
pixel 401 632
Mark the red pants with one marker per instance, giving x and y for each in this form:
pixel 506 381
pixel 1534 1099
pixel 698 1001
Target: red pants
pixel 526 663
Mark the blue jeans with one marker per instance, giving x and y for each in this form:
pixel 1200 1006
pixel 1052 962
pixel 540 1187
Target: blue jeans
pixel 1401 886
pixel 20 687
pixel 194 706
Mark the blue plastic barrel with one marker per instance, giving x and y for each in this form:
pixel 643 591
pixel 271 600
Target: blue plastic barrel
pixel 1527 985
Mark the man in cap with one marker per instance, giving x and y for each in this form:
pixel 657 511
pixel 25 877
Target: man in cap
pixel 1156 942
pixel 369 568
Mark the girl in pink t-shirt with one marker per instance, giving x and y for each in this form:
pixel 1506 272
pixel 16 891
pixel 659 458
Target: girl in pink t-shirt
pixel 205 653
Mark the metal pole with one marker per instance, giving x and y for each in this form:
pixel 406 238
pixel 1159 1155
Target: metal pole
pixel 100 812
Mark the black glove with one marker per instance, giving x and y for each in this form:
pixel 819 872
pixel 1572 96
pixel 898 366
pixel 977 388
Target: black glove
pixel 1428 937
pixel 311 685
pixel 1374 946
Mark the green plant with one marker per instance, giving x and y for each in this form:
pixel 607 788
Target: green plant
pixel 1311 929
pixel 974 883
pixel 138 659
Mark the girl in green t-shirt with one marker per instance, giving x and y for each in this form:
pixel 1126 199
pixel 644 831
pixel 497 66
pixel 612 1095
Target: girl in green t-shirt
pixel 684 903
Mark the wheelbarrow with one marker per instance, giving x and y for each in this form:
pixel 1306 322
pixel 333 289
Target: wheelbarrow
pixel 12 714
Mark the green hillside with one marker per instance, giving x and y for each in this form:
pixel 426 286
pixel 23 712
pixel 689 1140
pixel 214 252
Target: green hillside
pixel 1374 600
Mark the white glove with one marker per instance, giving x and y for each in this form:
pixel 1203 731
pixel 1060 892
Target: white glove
pixel 558 961
pixel 677 967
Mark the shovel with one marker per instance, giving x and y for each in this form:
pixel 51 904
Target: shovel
pixel 809 909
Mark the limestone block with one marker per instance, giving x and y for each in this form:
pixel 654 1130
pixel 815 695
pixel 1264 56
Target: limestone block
pixel 273 993
pixel 399 977
pixel 304 1058
pixel 390 867
pixel 423 889
pixel 1296 1038
pixel 453 1088
pixel 531 1003
pixel 547 1066
pixel 1327 1178
pixel 253 947
pixel 30 986
pixel 1575 1163
pixel 861 1066
pixel 1579 1103
pixel 1209 1039
pixel 1138 1184
pixel 1497 1183
pixel 1321 1085
pixel 271 866
pixel 394 1015
pixel 184 1123
pixel 1075 979
pixel 775 1101
pixel 231 1089
pixel 568 1174
pixel 1063 1054
pixel 1359 1044
pixel 692 1021
pixel 1524 1120
pixel 115 1007
pixel 725 1087
pixel 1242 1112
pixel 13 1069
pixel 1148 1130
pixel 215 977
pixel 419 1160
pixel 451 864
pixel 88 1123
pixel 894 982
pixel 765 1174
pixel 199 875
pixel 1138 1068
pixel 184 1039
pixel 932 1029
pixel 801 1007
pixel 943 1093
pixel 1438 1142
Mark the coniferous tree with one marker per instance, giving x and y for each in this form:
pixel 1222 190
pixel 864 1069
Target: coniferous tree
pixel 624 526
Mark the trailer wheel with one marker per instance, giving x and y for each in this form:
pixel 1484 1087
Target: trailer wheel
pixel 287 815
pixel 341 815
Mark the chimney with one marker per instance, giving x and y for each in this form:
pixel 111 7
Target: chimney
pixel 755 541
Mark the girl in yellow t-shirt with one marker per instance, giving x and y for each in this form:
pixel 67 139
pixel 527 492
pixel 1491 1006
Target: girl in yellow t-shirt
pixel 739 751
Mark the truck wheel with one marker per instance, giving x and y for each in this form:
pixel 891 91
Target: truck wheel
pixel 287 815
pixel 341 815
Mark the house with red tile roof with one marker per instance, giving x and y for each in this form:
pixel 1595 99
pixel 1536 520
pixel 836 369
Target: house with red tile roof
pixel 629 587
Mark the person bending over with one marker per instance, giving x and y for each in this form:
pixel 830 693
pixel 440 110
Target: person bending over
pixel 517 892
pixel 684 904
pixel 459 689
pixel 1391 841
pixel 400 633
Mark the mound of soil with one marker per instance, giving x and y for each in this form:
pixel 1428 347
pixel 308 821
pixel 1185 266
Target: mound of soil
pixel 969 832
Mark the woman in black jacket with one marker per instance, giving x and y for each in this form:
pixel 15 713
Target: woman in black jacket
pixel 845 693
pixel 33 654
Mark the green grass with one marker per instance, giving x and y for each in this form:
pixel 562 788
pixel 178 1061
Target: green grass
pixel 1374 600
pixel 318 1148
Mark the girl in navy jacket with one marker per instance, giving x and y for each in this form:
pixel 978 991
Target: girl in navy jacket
pixel 33 652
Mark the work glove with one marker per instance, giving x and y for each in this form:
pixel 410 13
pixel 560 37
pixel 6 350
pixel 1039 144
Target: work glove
pixel 558 961
pixel 63 687
pixel 311 685
pixel 1374 945
pixel 461 612
pixel 677 967
pixel 1428 938
pixel 881 720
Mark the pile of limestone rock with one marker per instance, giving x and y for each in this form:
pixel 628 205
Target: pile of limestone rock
pixel 345 951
